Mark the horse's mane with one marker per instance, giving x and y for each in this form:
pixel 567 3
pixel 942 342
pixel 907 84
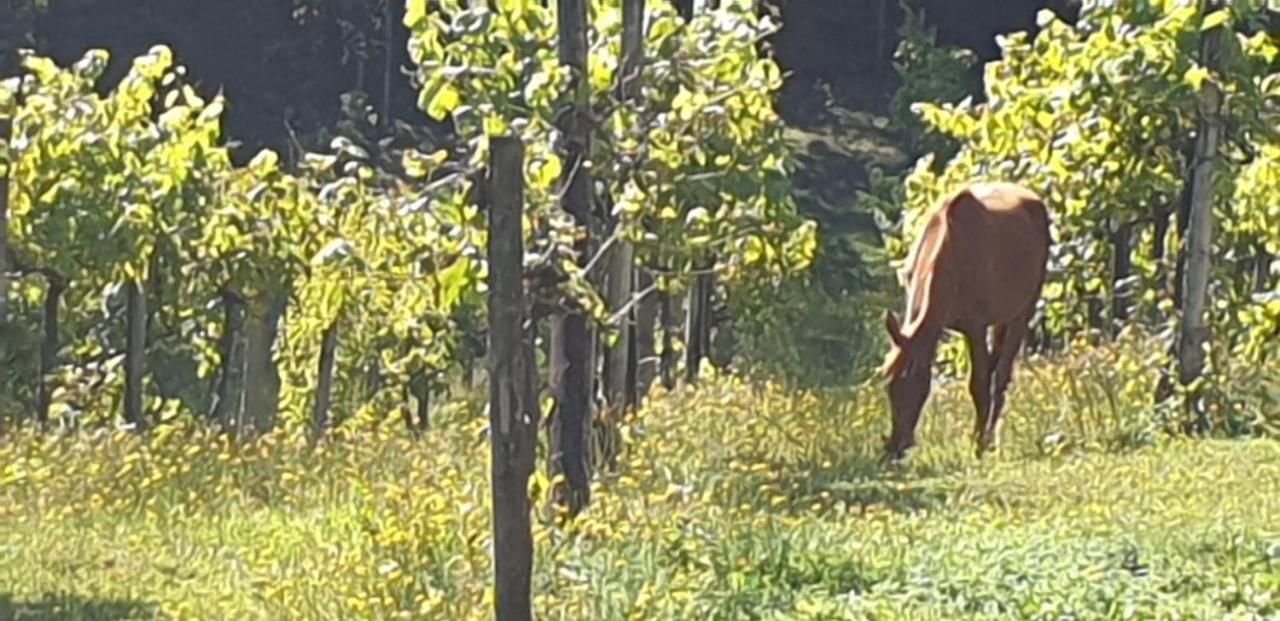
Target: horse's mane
pixel 933 242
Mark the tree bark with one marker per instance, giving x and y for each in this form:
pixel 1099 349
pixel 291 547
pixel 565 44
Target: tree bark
pixel 621 266
pixel 324 384
pixel 670 309
pixel 228 402
pixel 1121 270
pixel 1183 218
pixel 1199 245
pixel 697 330
pixel 571 332
pixel 645 343
pixel 1262 270
pixel 618 294
pixel 513 403
pixel 135 360
pixel 57 285
pixel 261 376
pixel 424 403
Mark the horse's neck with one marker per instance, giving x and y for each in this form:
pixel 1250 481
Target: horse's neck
pixel 926 301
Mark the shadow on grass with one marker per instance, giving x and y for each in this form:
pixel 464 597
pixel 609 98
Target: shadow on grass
pixel 67 607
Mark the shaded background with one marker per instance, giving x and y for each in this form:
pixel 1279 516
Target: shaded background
pixel 283 72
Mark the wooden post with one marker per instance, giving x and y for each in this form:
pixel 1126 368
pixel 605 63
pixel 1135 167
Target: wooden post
pixel 1199 246
pixel 570 427
pixel 135 361
pixel 513 403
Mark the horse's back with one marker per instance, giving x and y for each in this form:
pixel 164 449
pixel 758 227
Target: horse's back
pixel 1000 242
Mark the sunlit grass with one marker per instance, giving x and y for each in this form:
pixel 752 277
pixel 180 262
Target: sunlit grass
pixel 732 501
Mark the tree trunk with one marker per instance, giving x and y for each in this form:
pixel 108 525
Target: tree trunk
pixel 621 266
pixel 571 332
pixel 135 360
pixel 324 384
pixel 1160 217
pixel 1121 271
pixel 570 428
pixel 685 9
pixel 513 403
pixel 1183 221
pixel 618 293
pixel 645 343
pixel 697 337
pixel 261 395
pixel 468 370
pixel 670 309
pixel 57 285
pixel 633 12
pixel 1262 270
pixel 228 401
pixel 1199 245
pixel 424 403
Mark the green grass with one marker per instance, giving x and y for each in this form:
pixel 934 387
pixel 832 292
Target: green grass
pixel 733 501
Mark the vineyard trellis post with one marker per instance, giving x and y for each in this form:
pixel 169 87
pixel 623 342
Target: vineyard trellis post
pixel 572 379
pixel 513 402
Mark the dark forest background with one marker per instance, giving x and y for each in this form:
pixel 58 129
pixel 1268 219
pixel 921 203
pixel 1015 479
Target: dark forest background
pixel 284 65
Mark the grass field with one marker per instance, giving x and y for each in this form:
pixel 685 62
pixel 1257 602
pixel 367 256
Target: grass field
pixel 734 501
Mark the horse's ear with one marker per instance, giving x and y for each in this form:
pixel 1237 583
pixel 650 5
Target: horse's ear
pixel 894 327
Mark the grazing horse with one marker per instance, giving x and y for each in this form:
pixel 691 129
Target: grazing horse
pixel 980 265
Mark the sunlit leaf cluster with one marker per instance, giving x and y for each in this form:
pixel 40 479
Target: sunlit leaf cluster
pixel 692 171
pixel 135 186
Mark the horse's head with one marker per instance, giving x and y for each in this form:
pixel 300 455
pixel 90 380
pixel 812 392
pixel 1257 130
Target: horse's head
pixel 909 372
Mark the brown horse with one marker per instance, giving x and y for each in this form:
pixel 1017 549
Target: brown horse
pixel 979 265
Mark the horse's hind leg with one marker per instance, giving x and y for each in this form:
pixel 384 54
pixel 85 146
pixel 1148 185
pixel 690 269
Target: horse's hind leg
pixel 1008 342
pixel 980 368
